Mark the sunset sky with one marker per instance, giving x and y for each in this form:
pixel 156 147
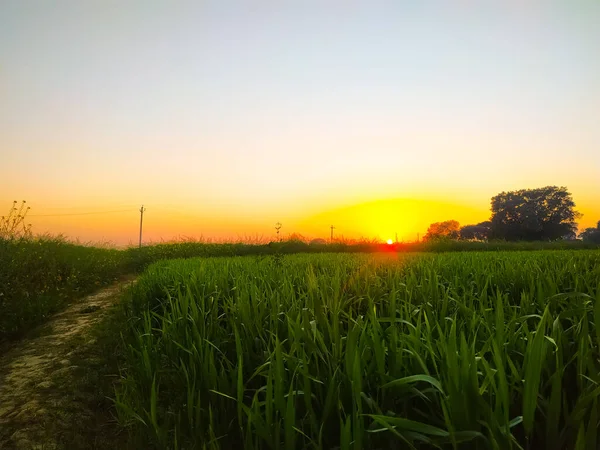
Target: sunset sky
pixel 224 117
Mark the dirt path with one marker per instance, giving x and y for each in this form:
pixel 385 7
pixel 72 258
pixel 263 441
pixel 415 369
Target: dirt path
pixel 38 374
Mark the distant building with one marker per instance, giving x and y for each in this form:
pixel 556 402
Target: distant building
pixel 318 242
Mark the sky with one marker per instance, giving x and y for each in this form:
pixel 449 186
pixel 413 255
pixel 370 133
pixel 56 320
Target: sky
pixel 225 117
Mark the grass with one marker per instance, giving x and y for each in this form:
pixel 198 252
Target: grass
pixel 38 277
pixel 456 350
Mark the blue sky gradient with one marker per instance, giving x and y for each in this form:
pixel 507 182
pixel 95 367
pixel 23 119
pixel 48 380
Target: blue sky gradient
pixel 287 109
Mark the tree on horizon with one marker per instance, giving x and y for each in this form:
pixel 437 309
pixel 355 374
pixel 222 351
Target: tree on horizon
pixel 541 214
pixel 478 232
pixel 449 229
pixel 591 234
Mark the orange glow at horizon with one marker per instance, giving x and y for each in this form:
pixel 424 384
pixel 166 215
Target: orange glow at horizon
pixel 405 218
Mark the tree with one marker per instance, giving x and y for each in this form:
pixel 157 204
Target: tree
pixel 591 234
pixel 450 229
pixel 479 232
pixel 296 237
pixel 542 214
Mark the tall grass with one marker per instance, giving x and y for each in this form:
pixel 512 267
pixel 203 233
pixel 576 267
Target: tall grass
pixel 187 249
pixel 142 258
pixel 38 277
pixel 462 350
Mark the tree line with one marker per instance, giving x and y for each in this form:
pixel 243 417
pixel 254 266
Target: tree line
pixel 541 214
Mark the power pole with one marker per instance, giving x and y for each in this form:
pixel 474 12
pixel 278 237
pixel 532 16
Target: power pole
pixel 396 238
pixel 278 227
pixel 332 228
pixel 142 209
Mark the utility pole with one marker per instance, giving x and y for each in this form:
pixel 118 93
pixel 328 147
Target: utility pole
pixel 396 238
pixel 142 209
pixel 278 227
pixel 332 228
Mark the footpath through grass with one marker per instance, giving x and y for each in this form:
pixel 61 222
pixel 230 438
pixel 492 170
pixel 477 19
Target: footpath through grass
pixel 39 277
pixel 56 384
pixel 454 350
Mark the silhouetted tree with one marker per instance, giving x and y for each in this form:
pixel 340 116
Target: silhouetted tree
pixel 479 232
pixel 296 237
pixel 591 234
pixel 450 229
pixel 542 214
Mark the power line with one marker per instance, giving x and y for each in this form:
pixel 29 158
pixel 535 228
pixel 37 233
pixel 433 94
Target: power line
pixel 80 214
pixel 60 208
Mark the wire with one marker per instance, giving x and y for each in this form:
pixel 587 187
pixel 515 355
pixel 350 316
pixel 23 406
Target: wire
pixel 67 208
pixel 81 214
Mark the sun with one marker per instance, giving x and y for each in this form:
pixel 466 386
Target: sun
pixel 389 242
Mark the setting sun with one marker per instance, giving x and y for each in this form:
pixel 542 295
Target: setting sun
pixel 389 241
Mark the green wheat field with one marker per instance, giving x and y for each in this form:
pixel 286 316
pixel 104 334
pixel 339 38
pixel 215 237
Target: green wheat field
pixel 474 350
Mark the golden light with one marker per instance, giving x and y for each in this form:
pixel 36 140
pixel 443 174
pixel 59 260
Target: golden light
pixel 390 242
